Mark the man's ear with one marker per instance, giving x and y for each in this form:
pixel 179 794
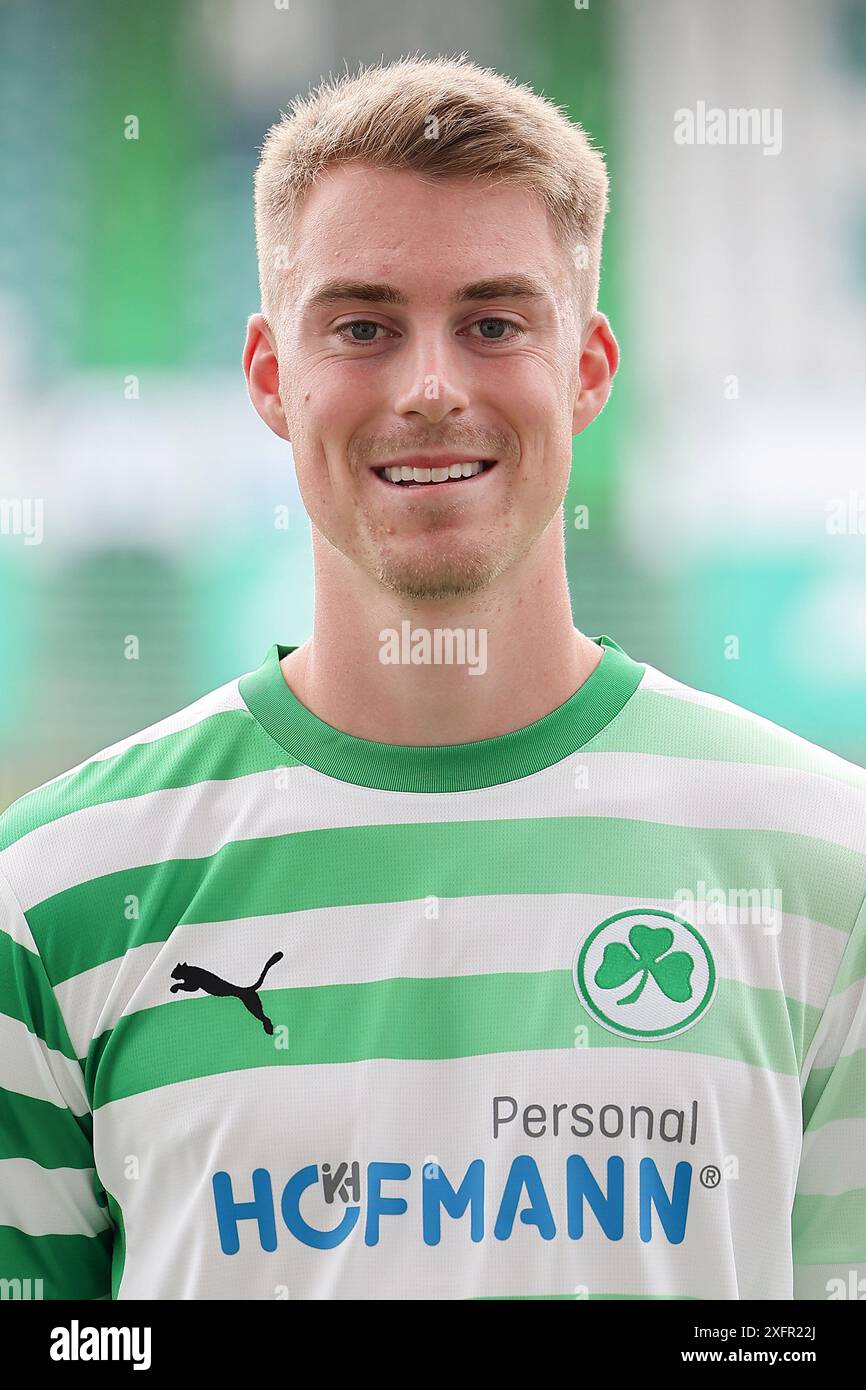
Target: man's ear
pixel 262 371
pixel 599 360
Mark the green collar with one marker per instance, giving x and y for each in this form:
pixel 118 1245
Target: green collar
pixel 452 767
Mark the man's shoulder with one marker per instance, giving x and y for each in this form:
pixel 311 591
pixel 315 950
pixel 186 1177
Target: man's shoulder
pixel 692 722
pixel 177 750
pixel 780 803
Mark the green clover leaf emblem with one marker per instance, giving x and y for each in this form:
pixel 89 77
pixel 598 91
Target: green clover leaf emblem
pixel 672 973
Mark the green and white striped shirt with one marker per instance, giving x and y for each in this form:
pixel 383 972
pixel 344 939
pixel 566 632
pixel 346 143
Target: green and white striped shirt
pixel 577 1011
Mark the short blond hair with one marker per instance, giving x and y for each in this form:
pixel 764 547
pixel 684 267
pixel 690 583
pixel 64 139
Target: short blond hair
pixel 438 116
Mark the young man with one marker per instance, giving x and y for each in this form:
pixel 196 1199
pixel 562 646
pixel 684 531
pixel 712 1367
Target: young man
pixel 451 953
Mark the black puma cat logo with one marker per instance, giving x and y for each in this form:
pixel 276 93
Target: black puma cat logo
pixel 193 977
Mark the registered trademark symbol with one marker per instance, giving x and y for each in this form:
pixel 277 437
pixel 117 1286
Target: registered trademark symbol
pixel 710 1176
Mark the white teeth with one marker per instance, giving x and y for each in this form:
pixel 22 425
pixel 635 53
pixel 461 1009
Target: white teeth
pixel 402 474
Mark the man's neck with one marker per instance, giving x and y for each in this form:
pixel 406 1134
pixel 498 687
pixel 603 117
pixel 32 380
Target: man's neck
pixel 522 657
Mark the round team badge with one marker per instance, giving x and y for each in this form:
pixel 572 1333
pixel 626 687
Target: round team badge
pixel 645 973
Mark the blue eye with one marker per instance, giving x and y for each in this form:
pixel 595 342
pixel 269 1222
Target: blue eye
pixel 359 323
pixel 497 338
pixel 368 327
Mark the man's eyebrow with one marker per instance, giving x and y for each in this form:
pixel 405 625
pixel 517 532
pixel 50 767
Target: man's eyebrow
pixel 504 287
pixel 369 292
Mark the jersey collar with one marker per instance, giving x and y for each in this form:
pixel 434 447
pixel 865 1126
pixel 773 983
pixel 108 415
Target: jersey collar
pixel 452 767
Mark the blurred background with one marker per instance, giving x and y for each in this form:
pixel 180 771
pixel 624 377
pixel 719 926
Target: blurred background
pixel 140 494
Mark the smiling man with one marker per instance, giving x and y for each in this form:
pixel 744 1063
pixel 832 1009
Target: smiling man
pixel 406 976
pixel 435 330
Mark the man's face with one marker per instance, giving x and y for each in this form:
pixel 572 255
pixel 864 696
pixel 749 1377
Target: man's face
pixel 456 337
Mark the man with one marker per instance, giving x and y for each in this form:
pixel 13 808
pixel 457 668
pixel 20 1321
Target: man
pixel 451 953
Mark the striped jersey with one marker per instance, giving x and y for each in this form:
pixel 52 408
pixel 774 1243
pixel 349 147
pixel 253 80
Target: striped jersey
pixel 577 1011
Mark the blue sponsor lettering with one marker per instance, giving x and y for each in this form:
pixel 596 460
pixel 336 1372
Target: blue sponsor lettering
pixel 658 1212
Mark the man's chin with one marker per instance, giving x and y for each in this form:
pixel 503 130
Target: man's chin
pixel 416 582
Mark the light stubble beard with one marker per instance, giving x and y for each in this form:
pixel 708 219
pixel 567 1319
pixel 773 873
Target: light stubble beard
pixel 441 576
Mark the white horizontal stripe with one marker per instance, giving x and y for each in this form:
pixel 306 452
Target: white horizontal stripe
pixel 738 1242
pixel 471 936
pixel 195 821
pixel 834 1160
pixel 12 919
pixel 30 1068
pixel 49 1201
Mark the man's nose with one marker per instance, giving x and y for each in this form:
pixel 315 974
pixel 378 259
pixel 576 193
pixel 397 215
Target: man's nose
pixel 430 380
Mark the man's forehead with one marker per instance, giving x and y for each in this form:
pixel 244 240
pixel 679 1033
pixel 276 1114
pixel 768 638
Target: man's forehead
pixel 451 219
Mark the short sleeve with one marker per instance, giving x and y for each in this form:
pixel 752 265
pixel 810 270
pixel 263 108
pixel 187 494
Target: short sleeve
pixel 56 1234
pixel 829 1211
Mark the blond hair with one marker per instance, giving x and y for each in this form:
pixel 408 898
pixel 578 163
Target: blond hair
pixel 438 116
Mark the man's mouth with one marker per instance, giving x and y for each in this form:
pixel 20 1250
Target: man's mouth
pixel 403 475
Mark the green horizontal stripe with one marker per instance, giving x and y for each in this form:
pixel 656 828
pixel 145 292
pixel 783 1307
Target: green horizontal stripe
pixel 812 1280
pixel 846 1098
pixel 829 1229
pixel 85 925
pixel 48 1134
pixel 70 1266
pixel 26 995
pixel 431 1020
pixel 220 747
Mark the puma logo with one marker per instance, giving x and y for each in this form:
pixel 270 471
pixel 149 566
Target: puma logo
pixel 192 977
